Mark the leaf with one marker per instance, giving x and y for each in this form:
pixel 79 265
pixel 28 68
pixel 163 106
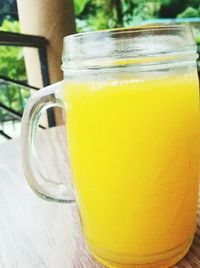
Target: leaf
pixel 189 12
pixel 11 65
pixel 79 6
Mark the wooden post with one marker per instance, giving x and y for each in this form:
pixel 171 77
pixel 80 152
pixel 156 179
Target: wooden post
pixel 52 19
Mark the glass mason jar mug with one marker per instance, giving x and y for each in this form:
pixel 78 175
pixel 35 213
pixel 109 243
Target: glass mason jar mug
pixel 131 101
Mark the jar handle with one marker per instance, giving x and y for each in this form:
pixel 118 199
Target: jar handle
pixel 37 104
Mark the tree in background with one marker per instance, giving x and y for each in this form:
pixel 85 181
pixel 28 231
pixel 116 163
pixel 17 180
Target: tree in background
pixel 180 8
pixel 8 8
pixel 102 14
pixel 12 56
pixel 12 66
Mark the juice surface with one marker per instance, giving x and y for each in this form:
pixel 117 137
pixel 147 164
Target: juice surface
pixel 134 154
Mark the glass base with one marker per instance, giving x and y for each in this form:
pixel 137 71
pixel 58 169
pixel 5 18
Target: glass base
pixel 162 260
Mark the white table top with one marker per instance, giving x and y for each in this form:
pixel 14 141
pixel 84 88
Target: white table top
pixel 39 234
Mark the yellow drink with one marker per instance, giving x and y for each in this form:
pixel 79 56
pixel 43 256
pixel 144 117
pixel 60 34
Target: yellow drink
pixel 134 153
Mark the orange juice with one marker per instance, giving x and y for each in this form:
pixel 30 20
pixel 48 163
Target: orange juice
pixel 134 154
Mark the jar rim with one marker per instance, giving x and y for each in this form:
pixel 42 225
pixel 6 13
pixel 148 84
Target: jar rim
pixel 130 29
pixel 131 45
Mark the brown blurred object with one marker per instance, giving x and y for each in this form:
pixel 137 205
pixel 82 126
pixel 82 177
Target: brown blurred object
pixel 52 19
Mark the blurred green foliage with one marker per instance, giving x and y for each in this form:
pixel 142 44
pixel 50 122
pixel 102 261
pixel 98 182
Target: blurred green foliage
pixel 102 14
pixel 190 12
pixel 12 66
pixel 8 8
pixel 12 59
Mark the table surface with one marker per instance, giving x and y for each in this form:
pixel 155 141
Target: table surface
pixel 36 233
